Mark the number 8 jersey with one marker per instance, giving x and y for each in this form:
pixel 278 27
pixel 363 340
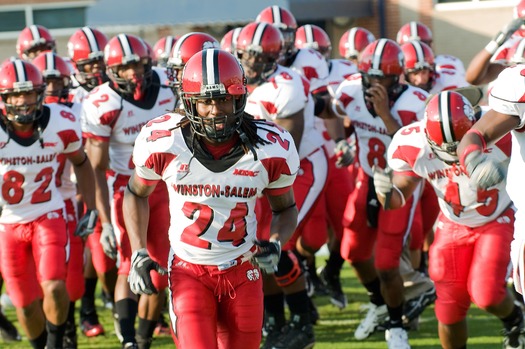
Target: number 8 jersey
pixel 212 202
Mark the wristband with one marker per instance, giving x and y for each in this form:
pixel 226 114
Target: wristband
pixel 469 149
pixel 492 47
pixel 480 135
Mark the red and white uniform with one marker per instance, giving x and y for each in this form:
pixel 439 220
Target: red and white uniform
pixel 472 222
pixel 283 94
pixel 213 226
pixel 449 62
pixel 68 189
pixel 506 97
pixel 447 79
pixel 77 92
pixel 109 117
pixel 367 225
pixel 312 66
pixel 32 224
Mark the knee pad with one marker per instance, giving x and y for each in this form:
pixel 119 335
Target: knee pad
pixel 288 270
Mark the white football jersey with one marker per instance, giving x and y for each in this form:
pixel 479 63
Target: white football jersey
pixel 450 62
pixel 212 202
pixel 28 166
pixel 106 115
pixel 339 71
pixel 411 154
pixel 285 93
pixel 370 130
pixel 65 176
pixel 447 79
pixel 312 66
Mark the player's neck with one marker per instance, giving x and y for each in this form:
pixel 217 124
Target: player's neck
pixel 218 150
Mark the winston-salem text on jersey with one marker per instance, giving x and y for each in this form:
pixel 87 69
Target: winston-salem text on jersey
pixel 213 190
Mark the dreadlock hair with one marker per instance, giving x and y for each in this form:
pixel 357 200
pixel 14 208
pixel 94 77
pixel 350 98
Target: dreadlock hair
pixel 247 131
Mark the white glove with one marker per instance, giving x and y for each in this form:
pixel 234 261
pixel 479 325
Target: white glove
pixel 345 153
pixel 504 35
pixel 108 240
pixel 483 171
pixel 139 277
pixel 86 224
pixel 382 180
pixel 267 255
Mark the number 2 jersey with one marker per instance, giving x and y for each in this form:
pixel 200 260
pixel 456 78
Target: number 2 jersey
pixel 212 202
pixel 29 165
pixel 410 154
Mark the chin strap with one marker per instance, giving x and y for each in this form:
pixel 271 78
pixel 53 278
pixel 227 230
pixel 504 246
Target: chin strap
pixel 247 143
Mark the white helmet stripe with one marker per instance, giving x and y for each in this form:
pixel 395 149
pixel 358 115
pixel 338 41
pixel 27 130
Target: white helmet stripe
pixel 20 71
pixel 235 35
pixel 259 32
pixel 276 13
pixel 34 31
pixel 446 125
pixel 168 44
pixel 351 39
pixel 50 61
pixel 378 53
pixel 413 30
pixel 212 76
pixel 92 40
pixel 420 54
pixel 309 33
pixel 124 44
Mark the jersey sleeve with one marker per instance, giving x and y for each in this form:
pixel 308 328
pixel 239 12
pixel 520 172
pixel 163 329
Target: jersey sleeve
pixel 403 150
pixel 506 96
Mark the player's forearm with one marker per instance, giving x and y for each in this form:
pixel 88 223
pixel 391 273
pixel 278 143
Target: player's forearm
pixel 136 218
pixel 283 224
pixel 102 196
pixel 86 183
pixel 392 126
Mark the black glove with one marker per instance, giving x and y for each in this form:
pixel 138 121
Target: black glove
pixel 267 255
pixel 86 224
pixel 139 277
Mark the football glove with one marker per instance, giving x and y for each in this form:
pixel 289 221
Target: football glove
pixel 108 240
pixel 504 35
pixel 382 180
pixel 483 171
pixel 345 153
pixel 86 224
pixel 267 255
pixel 139 277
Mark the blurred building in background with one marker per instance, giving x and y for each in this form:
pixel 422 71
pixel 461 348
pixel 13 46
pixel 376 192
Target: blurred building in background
pixel 460 27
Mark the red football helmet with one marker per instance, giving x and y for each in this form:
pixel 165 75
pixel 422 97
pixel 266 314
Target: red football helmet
pixel 54 67
pixel 519 10
pixel 213 73
pixel 34 39
pixel 259 46
pixel 122 50
pixel 448 116
pixel 516 54
pixel 229 40
pixel 162 49
pixel 414 31
pixel 185 47
pixel 18 76
pixel 314 37
pixel 381 58
pixel 86 49
pixel 353 41
pixel 285 21
pixel 151 53
pixel 418 55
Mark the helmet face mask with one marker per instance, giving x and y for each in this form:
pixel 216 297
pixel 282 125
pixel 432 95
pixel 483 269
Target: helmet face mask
pixel 86 75
pixel 213 79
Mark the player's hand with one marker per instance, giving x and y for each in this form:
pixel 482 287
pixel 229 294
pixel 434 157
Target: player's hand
pixel 378 96
pixel 345 153
pixel 382 181
pixel 267 255
pixel 483 171
pixel 139 277
pixel 508 30
pixel 86 224
pixel 108 240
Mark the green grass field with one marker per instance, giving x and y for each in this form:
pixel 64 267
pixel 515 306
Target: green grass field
pixel 334 330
